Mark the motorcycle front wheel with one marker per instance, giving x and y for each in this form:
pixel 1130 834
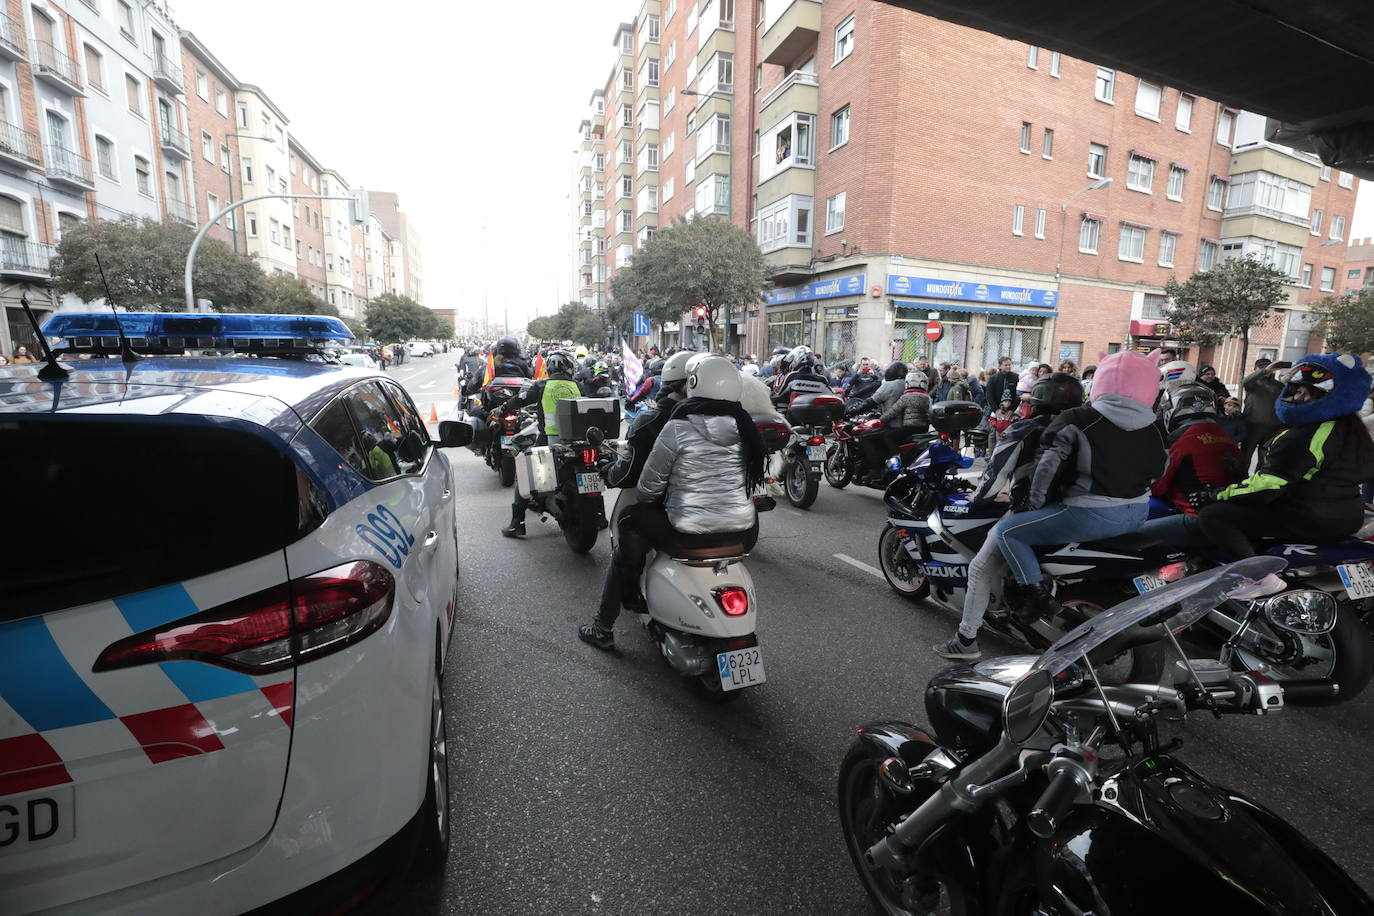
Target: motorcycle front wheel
pixel 838 473
pixel 801 487
pixel 899 569
pixel 581 529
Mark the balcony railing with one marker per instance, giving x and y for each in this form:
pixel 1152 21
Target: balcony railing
pixel 795 78
pixel 179 211
pixel 16 143
pixel 58 68
pixel 1269 212
pixel 21 257
pixel 11 38
pixel 175 141
pixel 167 74
pixel 66 165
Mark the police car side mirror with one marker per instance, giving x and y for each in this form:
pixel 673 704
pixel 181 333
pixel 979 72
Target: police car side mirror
pixel 454 433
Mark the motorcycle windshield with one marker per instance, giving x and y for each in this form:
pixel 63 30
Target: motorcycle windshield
pixel 1191 599
pixel 942 454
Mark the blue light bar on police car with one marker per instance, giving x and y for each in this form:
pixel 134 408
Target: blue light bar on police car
pixel 176 331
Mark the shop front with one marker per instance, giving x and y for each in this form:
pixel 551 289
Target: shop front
pixel 975 324
pixel 823 315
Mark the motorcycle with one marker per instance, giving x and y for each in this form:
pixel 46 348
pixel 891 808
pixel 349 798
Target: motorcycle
pixel 934 529
pixel 492 434
pixel 797 466
pixel 845 462
pixel 564 479
pixel 1044 792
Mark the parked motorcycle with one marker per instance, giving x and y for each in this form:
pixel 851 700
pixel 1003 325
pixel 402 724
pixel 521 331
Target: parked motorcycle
pixel 563 479
pixel 797 466
pixel 845 462
pixel 1044 792
pixel 934 529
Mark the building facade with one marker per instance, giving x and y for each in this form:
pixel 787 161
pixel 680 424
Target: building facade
pixel 211 103
pixel 265 168
pixel 1032 207
pixel 307 218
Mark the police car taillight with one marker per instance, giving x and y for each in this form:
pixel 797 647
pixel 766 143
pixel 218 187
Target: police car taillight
pixel 272 629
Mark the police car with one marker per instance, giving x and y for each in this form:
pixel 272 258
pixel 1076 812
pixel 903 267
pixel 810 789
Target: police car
pixel 225 602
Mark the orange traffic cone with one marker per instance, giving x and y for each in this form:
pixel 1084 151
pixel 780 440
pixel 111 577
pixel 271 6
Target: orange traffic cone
pixel 456 392
pixel 433 413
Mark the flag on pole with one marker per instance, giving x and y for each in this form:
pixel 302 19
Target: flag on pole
pixel 491 368
pixel 634 369
pixel 539 370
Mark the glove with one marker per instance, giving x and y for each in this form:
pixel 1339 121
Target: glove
pixel 1201 498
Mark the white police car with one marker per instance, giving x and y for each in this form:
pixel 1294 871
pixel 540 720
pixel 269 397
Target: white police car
pixel 224 609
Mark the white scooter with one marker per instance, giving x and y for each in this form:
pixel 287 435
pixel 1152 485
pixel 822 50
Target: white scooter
pixel 702 610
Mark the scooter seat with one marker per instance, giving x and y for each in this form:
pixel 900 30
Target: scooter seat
pixel 723 552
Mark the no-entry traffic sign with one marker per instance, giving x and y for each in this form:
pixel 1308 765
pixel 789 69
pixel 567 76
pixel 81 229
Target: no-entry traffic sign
pixel 934 331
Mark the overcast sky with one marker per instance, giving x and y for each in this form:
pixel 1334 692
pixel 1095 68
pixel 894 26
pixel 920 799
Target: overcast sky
pixel 466 110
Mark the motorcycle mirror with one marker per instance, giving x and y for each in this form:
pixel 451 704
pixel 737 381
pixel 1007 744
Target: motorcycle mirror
pixel 1303 611
pixel 1027 705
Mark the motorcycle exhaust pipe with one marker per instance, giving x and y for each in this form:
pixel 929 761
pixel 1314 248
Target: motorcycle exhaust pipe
pixel 1309 691
pixel 685 657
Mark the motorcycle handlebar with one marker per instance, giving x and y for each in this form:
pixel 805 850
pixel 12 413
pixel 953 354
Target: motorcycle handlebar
pixel 1054 803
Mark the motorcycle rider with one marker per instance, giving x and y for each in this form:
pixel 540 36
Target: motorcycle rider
pixel 909 414
pixel 1007 479
pixel 647 389
pixel 508 360
pixel 544 395
pixel 1308 480
pixel 1201 455
pixel 696 485
pixel 800 376
pixel 644 430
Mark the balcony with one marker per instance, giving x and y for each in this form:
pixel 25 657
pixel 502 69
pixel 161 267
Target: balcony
pixel 21 258
pixel 19 147
pixel 55 68
pixel 788 266
pixel 168 75
pixel 69 168
pixel 799 92
pixel 179 211
pixel 174 142
pixel 11 39
pixel 794 31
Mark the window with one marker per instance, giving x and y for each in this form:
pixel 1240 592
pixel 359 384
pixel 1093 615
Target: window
pixel 1089 231
pixel 1040 224
pixel 293 165
pixel 243 114
pixel 714 137
pixel 669 11
pixel 1183 115
pixel 1140 172
pixel 1337 227
pixel 247 170
pixel 785 223
pixel 126 20
pixel 669 100
pixel 1168 247
pixel 1097 160
pixel 1306 276
pixel 1225 121
pixel 712 195
pixel 1033 57
pixel 669 145
pixel 286 236
pixel 1018 219
pixel 1353 274
pixel 12 216
pixel 1216 190
pixel 377 420
pixel 648 73
pixel 1105 85
pixel 328 261
pixel 131 90
pixel 1152 307
pixel 1025 136
pixel 627 221
pixel 600 162
pixel 648 158
pixel 1328 278
pixel 271 177
pixel 105 157
pixel 627 151
pixel 839 128
pixel 627 115
pixel 95 72
pixel 1047 144
pixel 648 116
pixel 627 42
pixel 717 76
pixel 689 170
pixel 221 100
pixel 1326 173
pixel 1177 174
pixel 207 146
pixel 834 213
pixel 648 199
pixel 224 158
pixel 1207 254
pixel 627 80
pixel 1316 222
pixel 1345 179
pixel 844 38
pixel 648 30
pixel 668 189
pixel 274 231
pixel 1132 245
pixel 1147 99
pixel 1054 64
pixel 143 176
pixel 788 143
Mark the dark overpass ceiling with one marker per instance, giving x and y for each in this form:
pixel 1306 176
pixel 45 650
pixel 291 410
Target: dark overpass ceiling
pixel 1308 64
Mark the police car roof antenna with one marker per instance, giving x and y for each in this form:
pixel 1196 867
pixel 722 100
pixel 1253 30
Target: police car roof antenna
pixel 126 352
pixel 51 372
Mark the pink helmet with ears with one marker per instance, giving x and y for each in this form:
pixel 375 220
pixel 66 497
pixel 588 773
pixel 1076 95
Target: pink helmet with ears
pixel 1127 373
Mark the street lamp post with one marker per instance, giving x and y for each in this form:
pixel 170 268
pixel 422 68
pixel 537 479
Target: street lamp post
pixel 230 166
pixel 1063 215
pixel 729 183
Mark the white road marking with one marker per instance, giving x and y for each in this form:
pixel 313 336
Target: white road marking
pixel 430 384
pixel 859 564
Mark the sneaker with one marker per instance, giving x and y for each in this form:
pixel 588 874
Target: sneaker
pixel 596 635
pixel 958 649
pixel 1269 585
pixel 516 530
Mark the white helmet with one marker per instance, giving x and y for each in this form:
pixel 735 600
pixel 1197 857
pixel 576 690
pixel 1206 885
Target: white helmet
pixel 1174 375
pixel 750 369
pixel 714 377
pixel 675 368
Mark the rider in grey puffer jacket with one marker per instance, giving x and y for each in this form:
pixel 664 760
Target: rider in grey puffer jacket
pixel 704 454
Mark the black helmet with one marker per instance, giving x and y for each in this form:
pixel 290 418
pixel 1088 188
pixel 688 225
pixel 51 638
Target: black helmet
pixel 559 361
pixel 894 371
pixel 655 367
pixel 1191 402
pixel 1057 391
pixel 781 351
pixel 507 346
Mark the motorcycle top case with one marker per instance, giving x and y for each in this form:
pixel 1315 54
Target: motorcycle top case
pixel 815 409
pixel 535 471
pixel 775 434
pixel 577 415
pixel 951 416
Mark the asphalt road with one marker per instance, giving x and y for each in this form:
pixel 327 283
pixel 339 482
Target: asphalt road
pixel 594 782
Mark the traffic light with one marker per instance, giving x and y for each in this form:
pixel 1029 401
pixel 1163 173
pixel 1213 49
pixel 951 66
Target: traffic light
pixel 700 314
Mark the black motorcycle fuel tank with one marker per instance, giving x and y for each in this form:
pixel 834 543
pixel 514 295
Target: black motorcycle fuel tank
pixel 1161 839
pixel 964 703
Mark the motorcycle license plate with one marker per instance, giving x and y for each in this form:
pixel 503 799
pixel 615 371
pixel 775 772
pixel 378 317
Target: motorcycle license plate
pixel 815 452
pixel 1358 579
pixel 1145 584
pixel 45 818
pixel 506 441
pixel 740 668
pixel 589 483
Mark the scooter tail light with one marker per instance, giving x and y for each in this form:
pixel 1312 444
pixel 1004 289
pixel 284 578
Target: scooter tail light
pixel 733 600
pixel 589 456
pixel 270 630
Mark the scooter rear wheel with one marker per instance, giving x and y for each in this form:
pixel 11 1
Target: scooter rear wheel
pixel 708 686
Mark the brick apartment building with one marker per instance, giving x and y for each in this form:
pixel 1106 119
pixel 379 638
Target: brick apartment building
pixel 1359 266
pixel 898 169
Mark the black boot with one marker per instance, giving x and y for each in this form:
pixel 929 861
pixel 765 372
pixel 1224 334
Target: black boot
pixel 516 528
pixel 1030 603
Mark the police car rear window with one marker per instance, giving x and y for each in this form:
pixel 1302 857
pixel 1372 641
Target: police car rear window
pixel 100 509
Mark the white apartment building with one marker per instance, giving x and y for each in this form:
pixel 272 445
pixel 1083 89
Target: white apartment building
pixel 265 168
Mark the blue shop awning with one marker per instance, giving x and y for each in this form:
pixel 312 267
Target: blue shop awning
pixel 947 306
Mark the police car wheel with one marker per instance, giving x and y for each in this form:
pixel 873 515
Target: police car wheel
pixel 434 816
